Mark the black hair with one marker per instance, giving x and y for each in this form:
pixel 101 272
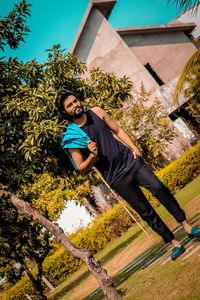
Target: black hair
pixel 61 96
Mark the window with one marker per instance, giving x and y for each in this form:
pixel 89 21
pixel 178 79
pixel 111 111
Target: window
pixel 153 74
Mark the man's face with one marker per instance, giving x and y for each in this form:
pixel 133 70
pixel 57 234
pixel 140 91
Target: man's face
pixel 73 107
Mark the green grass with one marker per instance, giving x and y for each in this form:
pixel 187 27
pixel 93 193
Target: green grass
pixel 186 194
pixel 133 236
pixel 174 280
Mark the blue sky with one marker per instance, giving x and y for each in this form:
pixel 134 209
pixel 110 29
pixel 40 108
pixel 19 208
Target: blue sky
pixel 54 22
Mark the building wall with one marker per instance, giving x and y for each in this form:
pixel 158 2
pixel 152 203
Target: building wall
pixel 192 17
pixel 167 52
pixel 105 49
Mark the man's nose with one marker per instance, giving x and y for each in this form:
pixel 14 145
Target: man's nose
pixel 75 104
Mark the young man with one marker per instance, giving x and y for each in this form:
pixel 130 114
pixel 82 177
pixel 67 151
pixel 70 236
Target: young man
pixel 122 166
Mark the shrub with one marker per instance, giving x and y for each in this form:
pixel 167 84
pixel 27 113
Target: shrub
pixel 104 229
pixel 60 265
pixel 182 171
pixel 20 289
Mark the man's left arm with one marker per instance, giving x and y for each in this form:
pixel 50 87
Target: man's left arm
pixel 119 132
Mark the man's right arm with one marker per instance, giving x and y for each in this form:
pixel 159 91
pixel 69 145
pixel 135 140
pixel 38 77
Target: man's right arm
pixel 81 164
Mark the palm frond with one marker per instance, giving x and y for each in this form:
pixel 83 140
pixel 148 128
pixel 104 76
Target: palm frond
pixel 187 71
pixel 185 5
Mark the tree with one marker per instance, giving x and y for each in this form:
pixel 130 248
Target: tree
pixel 148 126
pixel 12 28
pixel 33 243
pixel 193 6
pixel 22 242
pixel 190 74
pixel 93 264
pixel 30 135
pixel 186 75
pixel 185 4
pixel 192 93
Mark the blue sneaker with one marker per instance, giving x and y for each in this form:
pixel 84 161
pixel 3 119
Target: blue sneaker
pixel 177 251
pixel 195 232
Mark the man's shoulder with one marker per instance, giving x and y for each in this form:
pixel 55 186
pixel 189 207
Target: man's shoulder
pixel 99 111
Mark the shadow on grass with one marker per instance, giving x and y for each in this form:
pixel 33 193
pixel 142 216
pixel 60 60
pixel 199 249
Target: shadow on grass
pixel 70 286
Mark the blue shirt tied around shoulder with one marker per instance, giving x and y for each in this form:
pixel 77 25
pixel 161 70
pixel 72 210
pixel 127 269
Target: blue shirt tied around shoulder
pixel 74 137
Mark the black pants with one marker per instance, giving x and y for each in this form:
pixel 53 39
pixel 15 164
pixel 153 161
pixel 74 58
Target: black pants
pixel 127 186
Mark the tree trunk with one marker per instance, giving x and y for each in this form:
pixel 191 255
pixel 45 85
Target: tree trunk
pixel 86 256
pixel 90 208
pixel 37 287
pixel 96 203
pixel 100 201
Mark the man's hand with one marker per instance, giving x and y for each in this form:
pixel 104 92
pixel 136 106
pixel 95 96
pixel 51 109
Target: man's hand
pixel 136 152
pixel 93 148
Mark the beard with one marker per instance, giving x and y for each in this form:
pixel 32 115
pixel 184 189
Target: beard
pixel 77 115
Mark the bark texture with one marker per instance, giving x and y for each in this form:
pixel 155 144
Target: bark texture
pixel 86 256
pixel 37 285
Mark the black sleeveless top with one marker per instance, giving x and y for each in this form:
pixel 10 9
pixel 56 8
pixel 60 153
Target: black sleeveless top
pixel 114 158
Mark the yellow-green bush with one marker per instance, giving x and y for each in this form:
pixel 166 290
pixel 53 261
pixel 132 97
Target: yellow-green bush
pixel 57 267
pixel 104 229
pixel 109 226
pixel 182 171
pixel 20 289
pixel 60 265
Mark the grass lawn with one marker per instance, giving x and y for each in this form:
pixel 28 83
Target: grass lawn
pixel 123 250
pixel 174 280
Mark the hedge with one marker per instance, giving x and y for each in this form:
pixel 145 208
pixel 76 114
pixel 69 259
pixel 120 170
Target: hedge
pixel 182 171
pixel 20 289
pixel 178 173
pixel 109 226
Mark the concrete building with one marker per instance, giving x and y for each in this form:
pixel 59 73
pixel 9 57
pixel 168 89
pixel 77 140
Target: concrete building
pixel 154 55
pixel 191 17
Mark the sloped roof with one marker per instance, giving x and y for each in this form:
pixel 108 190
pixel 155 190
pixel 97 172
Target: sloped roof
pixel 172 26
pixel 104 6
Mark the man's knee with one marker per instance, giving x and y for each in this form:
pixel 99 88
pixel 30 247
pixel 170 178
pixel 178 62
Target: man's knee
pixel 158 187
